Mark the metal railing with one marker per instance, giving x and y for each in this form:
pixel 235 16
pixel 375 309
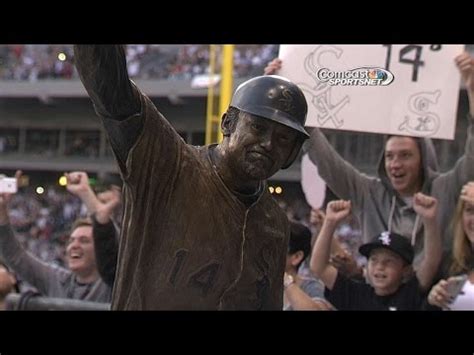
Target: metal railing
pixel 35 302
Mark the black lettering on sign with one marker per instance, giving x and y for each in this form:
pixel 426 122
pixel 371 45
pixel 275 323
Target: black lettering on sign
pixel 416 62
pixel 389 55
pixel 404 57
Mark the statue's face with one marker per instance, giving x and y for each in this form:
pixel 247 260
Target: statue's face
pixel 259 147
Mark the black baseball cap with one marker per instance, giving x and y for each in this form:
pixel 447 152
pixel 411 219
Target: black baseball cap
pixel 392 241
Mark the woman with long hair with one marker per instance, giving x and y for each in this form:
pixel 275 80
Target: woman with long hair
pixel 457 292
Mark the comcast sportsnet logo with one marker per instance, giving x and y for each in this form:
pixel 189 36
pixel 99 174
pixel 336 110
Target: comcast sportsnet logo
pixel 364 76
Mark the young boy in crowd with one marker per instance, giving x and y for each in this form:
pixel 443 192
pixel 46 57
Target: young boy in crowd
pixel 392 285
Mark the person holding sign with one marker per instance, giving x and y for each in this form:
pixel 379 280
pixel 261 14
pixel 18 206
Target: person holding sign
pixel 200 228
pixel 407 165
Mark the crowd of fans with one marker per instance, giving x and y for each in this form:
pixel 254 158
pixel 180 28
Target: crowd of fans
pixel 43 221
pixel 172 62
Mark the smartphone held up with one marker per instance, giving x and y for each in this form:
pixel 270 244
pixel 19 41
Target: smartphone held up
pixel 8 185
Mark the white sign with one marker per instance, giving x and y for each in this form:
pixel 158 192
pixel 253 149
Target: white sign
pixel 394 89
pixel 313 185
